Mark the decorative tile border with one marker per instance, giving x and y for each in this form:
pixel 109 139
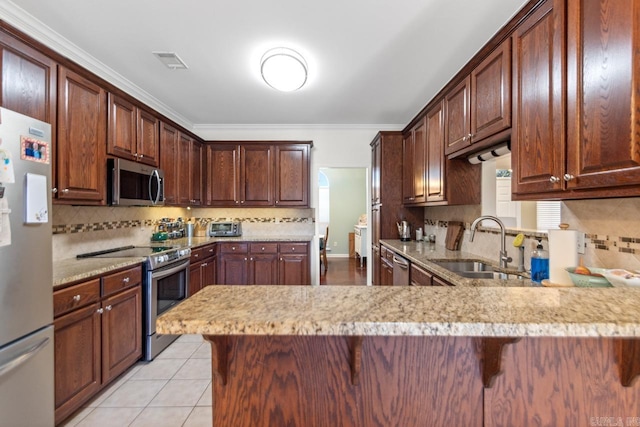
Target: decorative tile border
pixel 509 232
pixel 114 225
pixel 629 245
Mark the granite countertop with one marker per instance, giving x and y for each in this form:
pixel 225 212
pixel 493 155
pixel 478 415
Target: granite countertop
pixel 407 310
pixel 72 270
pixel 424 253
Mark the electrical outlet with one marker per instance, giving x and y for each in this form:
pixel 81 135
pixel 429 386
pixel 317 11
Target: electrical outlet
pixel 335 243
pixel 581 243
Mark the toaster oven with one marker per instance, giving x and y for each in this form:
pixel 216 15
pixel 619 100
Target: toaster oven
pixel 225 229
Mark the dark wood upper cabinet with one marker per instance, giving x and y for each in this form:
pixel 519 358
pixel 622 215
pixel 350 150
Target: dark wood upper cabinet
pixel 28 80
pixel 479 106
pixel 292 174
pixel 80 152
pixel 133 133
pixel 254 174
pixel 591 147
pixel 168 163
pixel 189 171
pixel 414 163
pixel 195 173
pixel 457 116
pixel 603 94
pixel 537 138
pixel 491 94
pixel 222 175
pixel 435 166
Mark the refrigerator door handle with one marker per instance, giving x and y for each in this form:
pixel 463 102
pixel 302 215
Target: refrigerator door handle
pixel 7 367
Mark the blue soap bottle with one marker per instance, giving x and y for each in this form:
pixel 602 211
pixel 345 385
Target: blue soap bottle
pixel 539 263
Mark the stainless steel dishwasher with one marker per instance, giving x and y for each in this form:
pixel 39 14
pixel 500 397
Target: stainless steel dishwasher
pixel 400 271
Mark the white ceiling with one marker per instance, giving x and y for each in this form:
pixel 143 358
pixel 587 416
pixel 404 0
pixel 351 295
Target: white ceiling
pixel 371 62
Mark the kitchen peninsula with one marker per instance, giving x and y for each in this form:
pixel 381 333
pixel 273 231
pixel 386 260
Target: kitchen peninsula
pixel 416 356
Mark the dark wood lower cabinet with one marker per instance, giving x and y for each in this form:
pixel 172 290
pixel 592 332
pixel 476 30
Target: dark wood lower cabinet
pixel 264 263
pixel 415 381
pixel 95 341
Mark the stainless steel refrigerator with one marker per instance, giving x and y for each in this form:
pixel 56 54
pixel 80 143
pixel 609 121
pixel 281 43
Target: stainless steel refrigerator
pixel 26 283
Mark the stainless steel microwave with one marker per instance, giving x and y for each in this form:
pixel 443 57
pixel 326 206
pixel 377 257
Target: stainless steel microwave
pixel 134 184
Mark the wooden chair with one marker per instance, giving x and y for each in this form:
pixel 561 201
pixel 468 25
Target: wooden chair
pixel 323 249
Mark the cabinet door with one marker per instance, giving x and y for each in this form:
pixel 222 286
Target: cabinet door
pixel 386 274
pixel 223 175
pixel 420 277
pixel 376 162
pixel 184 177
pixel 28 81
pixel 292 175
pixel 77 359
pixel 168 163
pixel 121 332
pixel 195 168
pixel 491 94
pixel 195 278
pixel 256 172
pixel 457 120
pixel 121 131
pixel 294 270
pixel 603 94
pixel 82 125
pixel 209 272
pixel 537 137
pixel 407 169
pixel 233 269
pixel 263 269
pixel 435 154
pixel 148 147
pixel 419 161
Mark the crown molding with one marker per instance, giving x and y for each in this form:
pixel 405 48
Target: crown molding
pixel 23 21
pixel 247 126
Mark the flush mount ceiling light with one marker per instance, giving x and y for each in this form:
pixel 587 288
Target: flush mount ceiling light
pixel 283 69
pixel 171 60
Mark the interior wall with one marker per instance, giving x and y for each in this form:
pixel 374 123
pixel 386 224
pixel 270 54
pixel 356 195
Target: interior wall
pixel 347 201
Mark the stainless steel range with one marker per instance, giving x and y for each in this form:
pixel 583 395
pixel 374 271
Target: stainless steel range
pixel 165 283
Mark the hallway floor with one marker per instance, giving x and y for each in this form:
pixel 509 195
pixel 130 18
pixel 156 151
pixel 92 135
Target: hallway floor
pixel 344 271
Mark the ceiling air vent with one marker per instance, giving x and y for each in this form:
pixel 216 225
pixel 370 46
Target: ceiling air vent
pixel 171 60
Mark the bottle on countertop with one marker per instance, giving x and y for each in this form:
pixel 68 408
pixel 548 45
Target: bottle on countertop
pixel 539 263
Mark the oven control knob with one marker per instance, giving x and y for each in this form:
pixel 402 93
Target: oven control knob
pixel 161 258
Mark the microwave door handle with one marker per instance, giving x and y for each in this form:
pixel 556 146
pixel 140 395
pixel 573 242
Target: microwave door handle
pixel 157 176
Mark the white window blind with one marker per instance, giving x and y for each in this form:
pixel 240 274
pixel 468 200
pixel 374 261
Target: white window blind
pixel 548 215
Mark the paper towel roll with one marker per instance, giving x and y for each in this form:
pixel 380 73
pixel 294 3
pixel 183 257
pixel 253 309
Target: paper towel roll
pixel 563 253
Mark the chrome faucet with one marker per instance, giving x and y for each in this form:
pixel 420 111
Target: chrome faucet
pixel 504 257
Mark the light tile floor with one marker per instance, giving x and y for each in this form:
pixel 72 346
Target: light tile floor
pixel 174 390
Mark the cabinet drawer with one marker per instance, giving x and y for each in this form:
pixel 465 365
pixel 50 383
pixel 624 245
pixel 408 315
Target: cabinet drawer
pixel 234 248
pixel 75 297
pixel 122 280
pixel 209 251
pixel 197 255
pixel 263 248
pixel 293 248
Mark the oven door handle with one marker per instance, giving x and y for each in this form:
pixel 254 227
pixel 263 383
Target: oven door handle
pixel 159 274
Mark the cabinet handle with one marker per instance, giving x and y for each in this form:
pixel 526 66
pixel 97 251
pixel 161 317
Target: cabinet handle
pixel 470 136
pixel 281 259
pixel 141 155
pixel 277 201
pixel 250 259
pixel 237 202
pixel 245 258
pixel 262 249
pixel 211 250
pixel 76 298
pixel 54 190
pixel 100 310
pixel 241 202
pixel 65 191
pixel 568 177
pixel 464 139
pixel 204 264
pixel 197 255
pixel 108 308
pixel 126 280
pixel 554 179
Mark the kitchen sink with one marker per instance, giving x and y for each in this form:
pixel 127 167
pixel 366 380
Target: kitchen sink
pixel 475 270
pixel 465 266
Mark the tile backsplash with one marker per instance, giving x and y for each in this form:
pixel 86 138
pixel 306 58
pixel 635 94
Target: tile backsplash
pixel 612 228
pixel 81 229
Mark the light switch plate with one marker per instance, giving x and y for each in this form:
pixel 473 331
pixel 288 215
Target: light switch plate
pixel 581 243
